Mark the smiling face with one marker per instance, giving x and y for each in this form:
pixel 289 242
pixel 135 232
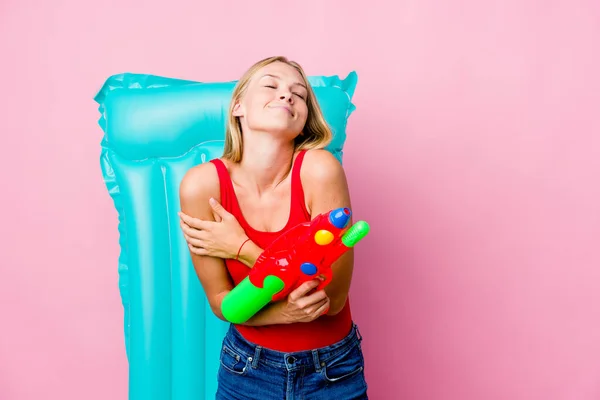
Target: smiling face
pixel 274 96
pixel 275 101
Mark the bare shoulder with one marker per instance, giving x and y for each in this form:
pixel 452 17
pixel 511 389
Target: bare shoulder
pixel 200 182
pixel 324 182
pixel 321 167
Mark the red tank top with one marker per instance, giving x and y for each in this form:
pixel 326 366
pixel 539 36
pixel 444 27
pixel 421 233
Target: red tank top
pixel 301 336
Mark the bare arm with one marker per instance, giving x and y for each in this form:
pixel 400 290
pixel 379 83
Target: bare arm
pixel 249 253
pixel 198 185
pixel 221 237
pixel 271 314
pixel 327 189
pixel 300 306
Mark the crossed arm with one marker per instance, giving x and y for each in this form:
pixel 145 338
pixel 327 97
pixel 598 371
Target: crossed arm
pixel 325 188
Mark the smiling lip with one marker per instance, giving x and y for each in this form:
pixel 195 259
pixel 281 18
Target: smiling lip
pixel 284 107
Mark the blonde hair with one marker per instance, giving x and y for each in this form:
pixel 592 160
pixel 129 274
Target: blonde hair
pixel 316 131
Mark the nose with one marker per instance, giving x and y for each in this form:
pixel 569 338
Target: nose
pixel 286 95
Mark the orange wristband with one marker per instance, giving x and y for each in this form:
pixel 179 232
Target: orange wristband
pixel 240 249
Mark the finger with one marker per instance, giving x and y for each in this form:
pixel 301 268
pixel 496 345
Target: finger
pixel 187 230
pixel 194 233
pixel 198 234
pixel 194 242
pixel 310 309
pixel 195 222
pixel 301 290
pixel 200 251
pixel 218 208
pixel 312 299
pixel 315 311
pixel 323 309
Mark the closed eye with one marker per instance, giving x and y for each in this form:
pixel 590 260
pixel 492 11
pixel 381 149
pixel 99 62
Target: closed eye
pixel 275 87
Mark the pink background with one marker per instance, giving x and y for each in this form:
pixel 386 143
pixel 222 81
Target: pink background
pixel 481 279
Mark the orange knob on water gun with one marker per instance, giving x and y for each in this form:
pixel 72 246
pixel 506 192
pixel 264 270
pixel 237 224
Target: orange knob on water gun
pixel 304 253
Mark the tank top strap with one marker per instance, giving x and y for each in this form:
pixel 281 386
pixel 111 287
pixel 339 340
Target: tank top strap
pixel 298 206
pixel 228 199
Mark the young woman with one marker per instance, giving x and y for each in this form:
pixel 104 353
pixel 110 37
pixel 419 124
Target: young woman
pixel 273 175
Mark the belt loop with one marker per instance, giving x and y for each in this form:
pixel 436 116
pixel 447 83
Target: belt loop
pixel 358 335
pixel 257 350
pixel 316 361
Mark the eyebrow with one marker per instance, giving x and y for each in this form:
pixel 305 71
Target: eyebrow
pixel 277 77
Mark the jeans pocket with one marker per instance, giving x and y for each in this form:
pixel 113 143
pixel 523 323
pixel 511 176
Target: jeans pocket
pixel 232 361
pixel 344 366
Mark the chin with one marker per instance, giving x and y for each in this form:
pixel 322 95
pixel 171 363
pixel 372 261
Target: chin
pixel 282 129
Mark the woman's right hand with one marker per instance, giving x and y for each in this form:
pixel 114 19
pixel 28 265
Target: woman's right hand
pixel 303 306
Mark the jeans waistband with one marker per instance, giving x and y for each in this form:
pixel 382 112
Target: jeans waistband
pixel 292 360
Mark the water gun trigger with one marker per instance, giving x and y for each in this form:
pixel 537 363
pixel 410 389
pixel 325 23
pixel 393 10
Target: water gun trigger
pixel 326 275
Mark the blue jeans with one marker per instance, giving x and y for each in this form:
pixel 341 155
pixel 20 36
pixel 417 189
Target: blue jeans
pixel 248 371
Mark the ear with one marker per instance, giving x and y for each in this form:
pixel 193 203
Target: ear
pixel 237 110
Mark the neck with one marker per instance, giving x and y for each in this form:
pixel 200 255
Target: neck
pixel 265 162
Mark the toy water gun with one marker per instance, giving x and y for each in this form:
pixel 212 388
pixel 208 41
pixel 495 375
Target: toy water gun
pixel 303 253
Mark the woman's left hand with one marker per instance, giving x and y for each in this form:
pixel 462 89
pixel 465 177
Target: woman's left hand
pixel 221 238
